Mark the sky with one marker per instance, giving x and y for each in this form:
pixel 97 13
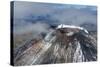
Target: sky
pixel 29 16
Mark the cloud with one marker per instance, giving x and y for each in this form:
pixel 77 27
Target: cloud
pixel 66 14
pixel 75 17
pixel 36 28
pixel 24 9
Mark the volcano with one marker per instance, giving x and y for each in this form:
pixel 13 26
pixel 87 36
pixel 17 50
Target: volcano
pixel 64 44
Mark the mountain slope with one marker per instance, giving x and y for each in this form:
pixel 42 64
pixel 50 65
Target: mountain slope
pixel 63 45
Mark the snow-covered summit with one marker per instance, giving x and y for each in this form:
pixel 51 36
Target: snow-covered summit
pixel 71 26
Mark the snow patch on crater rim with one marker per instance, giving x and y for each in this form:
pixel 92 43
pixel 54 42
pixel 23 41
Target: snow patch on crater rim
pixel 71 26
